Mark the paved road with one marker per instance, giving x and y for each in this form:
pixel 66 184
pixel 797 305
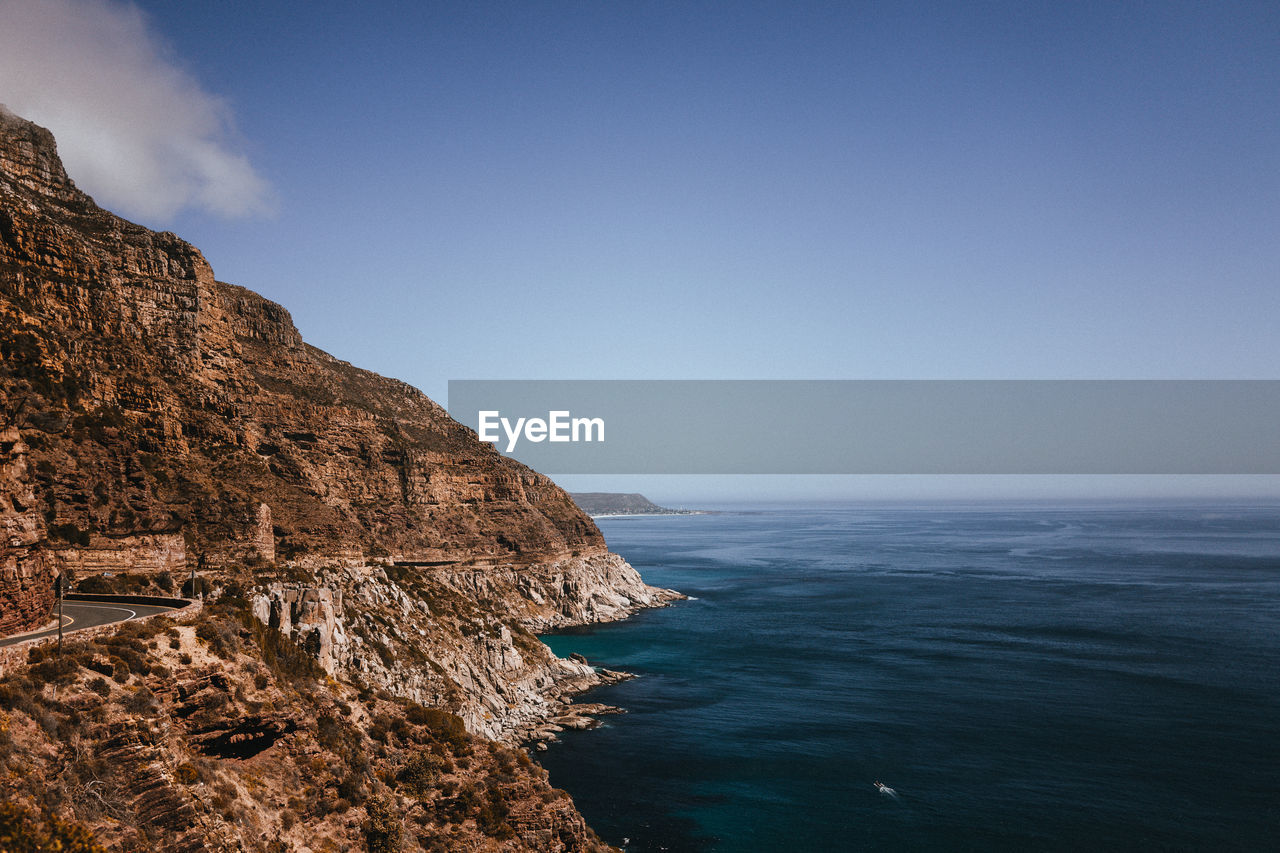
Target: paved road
pixel 87 614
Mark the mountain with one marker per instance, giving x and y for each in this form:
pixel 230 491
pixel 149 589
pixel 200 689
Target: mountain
pixel 619 503
pixel 157 422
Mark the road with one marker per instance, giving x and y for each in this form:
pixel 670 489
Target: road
pixel 77 615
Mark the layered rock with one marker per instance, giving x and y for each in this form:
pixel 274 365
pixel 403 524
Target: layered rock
pixel 241 745
pixel 153 419
pixel 460 639
pixel 158 403
pixel 26 567
pixel 139 553
pixel 156 399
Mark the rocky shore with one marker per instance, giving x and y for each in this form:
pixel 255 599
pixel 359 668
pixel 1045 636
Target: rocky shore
pixel 422 635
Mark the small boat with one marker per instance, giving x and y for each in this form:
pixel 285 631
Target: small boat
pixel 885 789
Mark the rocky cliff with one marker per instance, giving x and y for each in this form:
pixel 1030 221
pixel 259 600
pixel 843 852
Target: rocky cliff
pixel 154 420
pixel 221 736
pixel 26 564
pixel 155 398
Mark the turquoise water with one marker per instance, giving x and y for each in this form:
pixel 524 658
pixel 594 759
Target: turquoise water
pixel 1026 677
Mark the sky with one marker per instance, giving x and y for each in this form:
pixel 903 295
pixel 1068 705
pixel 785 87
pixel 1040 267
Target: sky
pixel 701 190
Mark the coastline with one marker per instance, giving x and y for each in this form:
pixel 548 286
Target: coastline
pixel 651 514
pixel 563 711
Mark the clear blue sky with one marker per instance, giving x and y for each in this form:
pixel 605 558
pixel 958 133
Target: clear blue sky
pixel 752 190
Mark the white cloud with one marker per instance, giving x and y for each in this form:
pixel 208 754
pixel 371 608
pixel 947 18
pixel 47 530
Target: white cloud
pixel 135 130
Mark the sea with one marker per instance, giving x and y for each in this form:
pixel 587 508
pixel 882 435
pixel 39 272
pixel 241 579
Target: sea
pixel 1030 676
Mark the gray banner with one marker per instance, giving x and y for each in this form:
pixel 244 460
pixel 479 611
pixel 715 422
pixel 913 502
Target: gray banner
pixel 878 426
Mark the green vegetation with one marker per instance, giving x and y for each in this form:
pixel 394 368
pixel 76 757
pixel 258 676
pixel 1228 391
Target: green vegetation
pixel 25 831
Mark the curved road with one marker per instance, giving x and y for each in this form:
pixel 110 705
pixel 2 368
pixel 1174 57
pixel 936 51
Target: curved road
pixel 77 615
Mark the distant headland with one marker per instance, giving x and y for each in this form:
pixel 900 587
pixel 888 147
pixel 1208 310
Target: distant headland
pixel 596 504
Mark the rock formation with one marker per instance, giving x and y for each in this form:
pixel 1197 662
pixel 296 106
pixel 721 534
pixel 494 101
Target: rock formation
pixel 26 566
pixel 156 420
pixel 156 399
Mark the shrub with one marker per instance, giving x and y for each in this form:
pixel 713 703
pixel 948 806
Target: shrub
pixel 96 585
pixel 351 788
pixel 221 638
pixel 101 687
pixel 421 772
pixel 56 670
pixel 400 728
pixel 23 831
pixel 17 693
pixel 282 655
pixel 119 669
pixel 142 701
pixel 491 818
pixel 461 805
pixel 382 831
pixel 126 653
pixel 447 728
pixel 506 758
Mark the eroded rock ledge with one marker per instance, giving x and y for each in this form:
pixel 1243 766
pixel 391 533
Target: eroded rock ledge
pixel 461 639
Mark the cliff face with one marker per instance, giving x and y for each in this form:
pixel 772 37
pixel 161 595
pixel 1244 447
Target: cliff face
pixel 459 639
pixel 378 565
pixel 154 399
pixel 156 418
pixel 26 567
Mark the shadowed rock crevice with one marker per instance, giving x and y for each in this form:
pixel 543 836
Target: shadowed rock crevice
pixel 245 739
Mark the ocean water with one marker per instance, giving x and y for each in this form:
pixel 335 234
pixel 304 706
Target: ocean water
pixel 1026 677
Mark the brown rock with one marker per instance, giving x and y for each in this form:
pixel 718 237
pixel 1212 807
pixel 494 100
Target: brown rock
pixel 158 401
pixel 27 569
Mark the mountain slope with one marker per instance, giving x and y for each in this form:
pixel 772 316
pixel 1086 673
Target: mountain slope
pixel 155 399
pixel 154 420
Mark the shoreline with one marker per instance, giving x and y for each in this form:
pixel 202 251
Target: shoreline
pixel 652 514
pixel 564 712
